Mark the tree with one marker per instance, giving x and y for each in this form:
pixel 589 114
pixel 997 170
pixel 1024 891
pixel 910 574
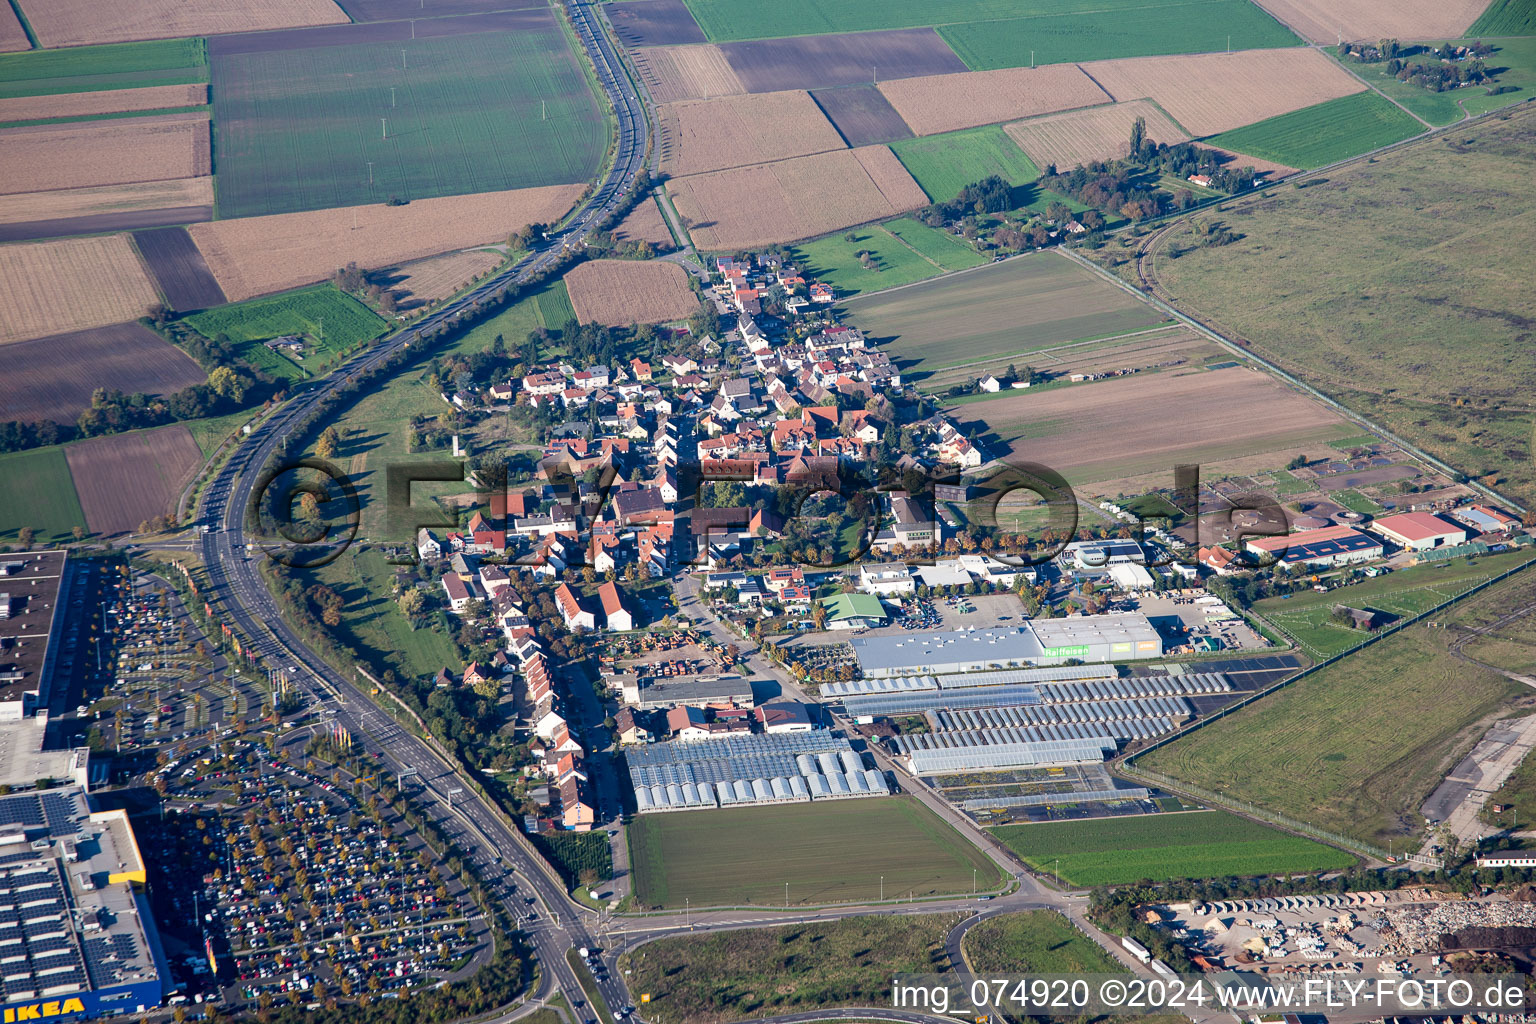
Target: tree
pixel 78 532
pixel 412 603
pixel 819 615
pixel 227 384
pixel 327 443
pixel 25 536
pixel 1138 137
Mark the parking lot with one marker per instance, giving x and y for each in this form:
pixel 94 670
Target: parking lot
pixel 301 880
pixel 1184 617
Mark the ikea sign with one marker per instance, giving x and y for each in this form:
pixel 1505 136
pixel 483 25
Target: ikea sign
pixel 43 1011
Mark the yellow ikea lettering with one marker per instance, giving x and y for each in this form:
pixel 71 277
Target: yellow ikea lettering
pixel 37 1011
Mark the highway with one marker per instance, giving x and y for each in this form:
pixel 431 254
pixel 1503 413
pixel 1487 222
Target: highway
pixel 237 586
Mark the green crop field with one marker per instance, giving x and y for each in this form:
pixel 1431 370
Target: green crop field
pixel 944 164
pixel 1515 77
pixel 1508 643
pixel 1451 370
pixel 1162 847
pixel 113 66
pixel 1202 26
pixel 1332 749
pixel 554 304
pixel 1322 134
pixel 996 313
pixel 1036 942
pixel 835 260
pixel 1307 616
pixel 1001 33
pixel 39 493
pixel 715 977
pixel 828 853
pixel 466 113
pixel 946 250
pixel 1506 18
pixel 330 321
pixel 1357 502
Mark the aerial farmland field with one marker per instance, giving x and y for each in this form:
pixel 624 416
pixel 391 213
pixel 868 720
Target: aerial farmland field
pixel 127 478
pixel 1332 749
pixel 52 378
pixel 862 114
pixel 622 292
pixel 733 131
pixel 1078 137
pixel 944 164
pixel 1452 371
pixel 1324 22
pixel 12 36
pixel 71 284
pixel 1331 131
pixel 946 103
pixel 892 262
pixel 827 852
pixel 330 321
pixel 1000 33
pixel 58 23
pixel 1162 847
pixel 98 68
pixel 306 128
pixel 41 494
pixel 82 154
pixel 997 312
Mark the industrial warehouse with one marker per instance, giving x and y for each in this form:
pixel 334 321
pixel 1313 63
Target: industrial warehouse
pixel 76 940
pixel 1124 636
pixel 1016 719
pixel 739 770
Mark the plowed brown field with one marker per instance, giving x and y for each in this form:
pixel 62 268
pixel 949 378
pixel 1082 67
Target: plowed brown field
pixel 620 292
pixel 80 22
pixel 1244 160
pixel 52 378
pixel 438 277
pixel 945 103
pixel 12 36
pixel 85 202
pixel 1323 21
pixel 1097 133
pixel 255 255
pixel 126 479
pixel 1215 92
pixel 673 73
pixel 1125 427
pixel 733 131
pixel 644 224
pixel 71 284
pixel 793 199
pixel 83 154
pixel 110 101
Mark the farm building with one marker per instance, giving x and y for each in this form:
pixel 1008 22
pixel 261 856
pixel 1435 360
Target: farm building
pixel 785 767
pixel 1486 519
pixel 853 611
pixel 1419 531
pixel 1125 636
pixel 886 578
pixel 1337 545
pixel 695 691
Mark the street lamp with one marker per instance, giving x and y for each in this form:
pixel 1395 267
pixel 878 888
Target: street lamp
pixel 688 913
pixel 786 895
pixel 882 888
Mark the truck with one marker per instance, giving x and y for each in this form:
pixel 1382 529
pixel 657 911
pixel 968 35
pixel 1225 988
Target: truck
pixel 1136 949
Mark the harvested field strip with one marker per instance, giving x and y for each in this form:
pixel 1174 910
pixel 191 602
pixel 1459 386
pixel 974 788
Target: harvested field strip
pixel 793 199
pixel 1269 167
pixel 1005 309
pixel 848 58
pixel 1190 26
pixel 1320 135
pixel 117 152
pixel 1161 349
pixel 645 223
pixel 13 36
pixel 82 22
pixel 1097 133
pixel 472 112
pixel 1114 428
pixel 99 68
pixel 862 115
pixel 257 255
pixel 1214 92
pixel 38 493
pixel 621 292
pixel 52 378
pixel 735 131
pixel 127 478
pixel 943 103
pixel 1323 21
pixel 944 164
pixel 27 207
pixel 673 73
pixel 437 277
pixel 112 101
pixel 71 284
pixel 178 268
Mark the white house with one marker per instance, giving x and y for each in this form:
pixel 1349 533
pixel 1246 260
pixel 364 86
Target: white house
pixel 886 578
